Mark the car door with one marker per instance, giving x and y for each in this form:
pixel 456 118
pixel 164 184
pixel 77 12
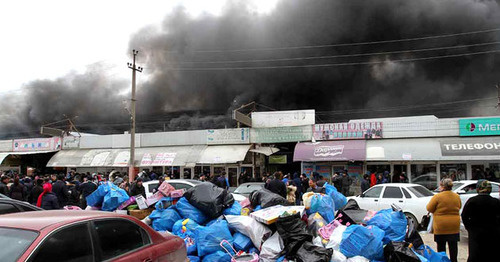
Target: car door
pixel 495 190
pixel 70 243
pixel 391 195
pixel 370 198
pixel 121 240
pixel 470 191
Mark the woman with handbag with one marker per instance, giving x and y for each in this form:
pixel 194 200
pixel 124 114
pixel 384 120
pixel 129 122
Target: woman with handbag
pixel 445 208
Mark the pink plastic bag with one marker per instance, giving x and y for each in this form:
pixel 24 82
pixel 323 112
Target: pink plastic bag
pixel 326 231
pixel 165 188
pixel 154 198
pixel 245 203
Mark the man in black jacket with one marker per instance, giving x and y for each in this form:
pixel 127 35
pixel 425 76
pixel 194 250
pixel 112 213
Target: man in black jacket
pixel 4 189
pixel 138 188
pixel 61 190
pixel 36 191
pixel 481 218
pixel 86 188
pixel 277 186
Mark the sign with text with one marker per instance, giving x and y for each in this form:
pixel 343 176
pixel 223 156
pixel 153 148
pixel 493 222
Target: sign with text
pixel 277 159
pixel 122 159
pixel 283 118
pixel 281 134
pixel 164 159
pixel 351 130
pixel 228 136
pixel 147 160
pixel 471 147
pixel 36 144
pixel 479 126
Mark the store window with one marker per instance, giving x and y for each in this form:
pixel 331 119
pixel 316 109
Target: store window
pixel 425 175
pixel 455 172
pixel 378 169
pixel 494 171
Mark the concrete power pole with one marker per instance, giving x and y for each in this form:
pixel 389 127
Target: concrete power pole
pixel 131 169
pixel 498 95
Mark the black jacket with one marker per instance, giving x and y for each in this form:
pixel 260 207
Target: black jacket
pixel 481 218
pixel 4 189
pixel 318 189
pixel 365 184
pixel 87 188
pixel 18 192
pixel 137 190
pixel 61 191
pixel 277 186
pixel 35 193
pixel 50 201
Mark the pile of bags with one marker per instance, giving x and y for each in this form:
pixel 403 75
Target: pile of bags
pixel 264 228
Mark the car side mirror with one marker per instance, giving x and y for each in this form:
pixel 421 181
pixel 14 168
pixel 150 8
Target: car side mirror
pixel 461 192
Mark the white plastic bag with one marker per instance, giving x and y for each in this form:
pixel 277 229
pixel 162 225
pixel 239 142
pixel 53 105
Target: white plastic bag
pixel 338 257
pixel 318 241
pixel 271 248
pixel 429 227
pixel 249 227
pixel 336 238
pixel 358 259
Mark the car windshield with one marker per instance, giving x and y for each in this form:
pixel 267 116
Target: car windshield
pixel 420 191
pixel 152 186
pixel 456 185
pixel 247 189
pixel 14 242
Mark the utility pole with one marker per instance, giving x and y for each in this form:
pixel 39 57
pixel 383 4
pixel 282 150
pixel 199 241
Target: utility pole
pixel 131 169
pixel 498 95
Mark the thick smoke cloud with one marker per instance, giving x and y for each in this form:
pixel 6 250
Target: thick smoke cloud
pixel 180 39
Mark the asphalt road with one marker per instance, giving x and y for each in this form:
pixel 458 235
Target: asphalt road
pixel 463 248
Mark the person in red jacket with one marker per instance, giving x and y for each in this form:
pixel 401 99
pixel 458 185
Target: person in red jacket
pixel 373 179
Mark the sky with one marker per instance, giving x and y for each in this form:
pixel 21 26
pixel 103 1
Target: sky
pixel 51 38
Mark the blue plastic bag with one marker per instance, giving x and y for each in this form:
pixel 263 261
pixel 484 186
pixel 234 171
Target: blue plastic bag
pixel 190 242
pixel 323 204
pixel 164 203
pixel 188 211
pixel 433 256
pixel 182 226
pixel 253 250
pixel 242 242
pixel 392 222
pixel 339 199
pixel 166 219
pixel 210 237
pixel 363 241
pixel 114 198
pixel 257 208
pixel 235 209
pixel 193 259
pixel 97 197
pixel 218 256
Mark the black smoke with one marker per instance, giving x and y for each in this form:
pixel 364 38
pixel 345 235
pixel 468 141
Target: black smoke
pixel 182 93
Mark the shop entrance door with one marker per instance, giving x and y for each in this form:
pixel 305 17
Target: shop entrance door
pixel 477 172
pixel 232 175
pixel 398 170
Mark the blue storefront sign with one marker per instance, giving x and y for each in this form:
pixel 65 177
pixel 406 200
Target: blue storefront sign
pixel 480 126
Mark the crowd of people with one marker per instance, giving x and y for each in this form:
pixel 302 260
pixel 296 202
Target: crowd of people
pixel 55 191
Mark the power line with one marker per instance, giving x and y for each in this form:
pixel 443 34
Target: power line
pixel 339 56
pixel 329 65
pixel 350 44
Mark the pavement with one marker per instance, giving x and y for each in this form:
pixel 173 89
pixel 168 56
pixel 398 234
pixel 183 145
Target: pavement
pixel 463 246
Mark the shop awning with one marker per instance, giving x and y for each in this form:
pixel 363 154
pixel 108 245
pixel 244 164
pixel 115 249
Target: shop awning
pixel 150 156
pixel 418 149
pixel 345 150
pixel 223 154
pixel 4 155
pixel 265 150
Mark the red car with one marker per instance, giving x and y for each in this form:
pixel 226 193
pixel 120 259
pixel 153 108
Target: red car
pixel 84 236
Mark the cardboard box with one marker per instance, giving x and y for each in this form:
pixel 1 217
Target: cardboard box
pixel 141 202
pixel 140 214
pixel 271 214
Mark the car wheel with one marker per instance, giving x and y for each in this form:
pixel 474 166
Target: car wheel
pixel 411 219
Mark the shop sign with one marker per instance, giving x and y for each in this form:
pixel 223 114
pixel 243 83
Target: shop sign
pixel 164 159
pixel 324 170
pixel 228 136
pixel 283 118
pixel 307 168
pixel 277 159
pixel 147 160
pixel 331 151
pixel 354 130
pixel 71 142
pixel 471 147
pixel 36 144
pixel 479 126
pixel 281 134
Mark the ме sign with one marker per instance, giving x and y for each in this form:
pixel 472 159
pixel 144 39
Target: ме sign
pixel 479 126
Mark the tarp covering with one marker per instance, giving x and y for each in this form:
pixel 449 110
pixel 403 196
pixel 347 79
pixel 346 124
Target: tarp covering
pixel 4 155
pixel 351 150
pixel 265 150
